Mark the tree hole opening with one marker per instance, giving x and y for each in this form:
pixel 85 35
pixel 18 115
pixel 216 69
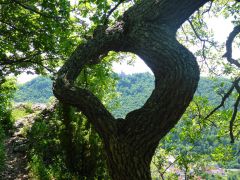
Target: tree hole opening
pixel 135 84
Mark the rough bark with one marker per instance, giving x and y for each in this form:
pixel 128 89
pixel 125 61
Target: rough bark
pixel 147 29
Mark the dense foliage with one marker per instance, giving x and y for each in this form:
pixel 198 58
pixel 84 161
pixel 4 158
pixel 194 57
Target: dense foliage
pixel 34 34
pixel 2 149
pixel 197 145
pixel 7 90
pixel 63 143
pixel 64 151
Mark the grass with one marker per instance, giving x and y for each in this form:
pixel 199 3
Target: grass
pixel 18 114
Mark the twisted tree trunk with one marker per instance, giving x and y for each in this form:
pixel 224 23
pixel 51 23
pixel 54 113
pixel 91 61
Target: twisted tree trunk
pixel 147 29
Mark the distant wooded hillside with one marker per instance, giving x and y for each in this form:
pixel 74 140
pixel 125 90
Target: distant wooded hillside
pixel 38 90
pixel 133 91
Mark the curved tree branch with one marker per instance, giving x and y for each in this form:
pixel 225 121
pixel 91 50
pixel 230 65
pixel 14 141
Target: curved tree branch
pixel 6 62
pixel 235 85
pixel 224 98
pixel 89 53
pixel 229 43
pixel 160 11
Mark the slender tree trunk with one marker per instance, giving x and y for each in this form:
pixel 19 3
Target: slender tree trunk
pixel 147 29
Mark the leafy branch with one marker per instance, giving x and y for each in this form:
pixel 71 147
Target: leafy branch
pixel 235 85
pixel 5 61
pixel 224 98
pixel 106 18
pixel 35 10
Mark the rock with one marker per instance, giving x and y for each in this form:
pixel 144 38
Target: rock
pixel 39 107
pixel 20 148
pixel 30 107
pixel 18 124
pixel 20 145
pixel 27 120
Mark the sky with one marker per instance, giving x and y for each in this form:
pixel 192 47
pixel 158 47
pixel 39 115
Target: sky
pixel 221 29
pixel 24 77
pixel 137 67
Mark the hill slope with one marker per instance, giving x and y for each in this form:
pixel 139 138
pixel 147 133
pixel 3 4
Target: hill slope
pixel 38 90
pixel 133 89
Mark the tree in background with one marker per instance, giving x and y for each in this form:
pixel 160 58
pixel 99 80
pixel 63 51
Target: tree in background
pixel 35 36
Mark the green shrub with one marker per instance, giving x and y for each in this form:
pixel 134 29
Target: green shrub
pixel 7 90
pixel 38 170
pixel 57 153
pixel 28 108
pixel 18 113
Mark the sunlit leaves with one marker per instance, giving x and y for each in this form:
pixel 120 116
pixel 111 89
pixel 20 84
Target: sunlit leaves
pixel 100 80
pixel 37 31
pixel 196 140
pixel 222 153
pixel 7 90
